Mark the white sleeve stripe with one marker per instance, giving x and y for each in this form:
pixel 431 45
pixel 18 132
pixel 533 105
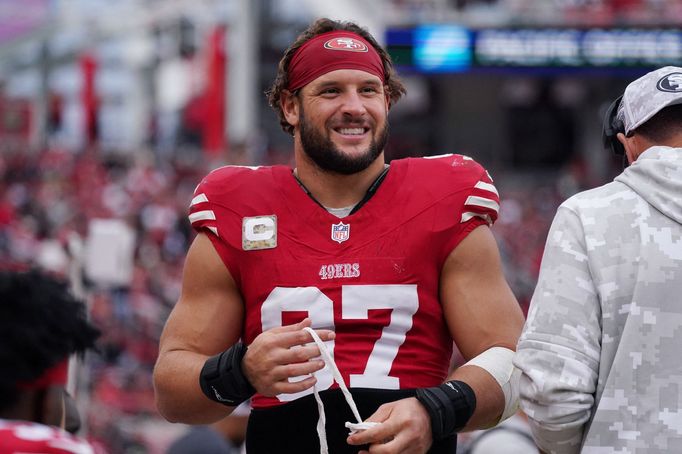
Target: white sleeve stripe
pixel 482 202
pixel 207 215
pixel 487 187
pixel 199 199
pixel 438 156
pixel 214 230
pixel 470 214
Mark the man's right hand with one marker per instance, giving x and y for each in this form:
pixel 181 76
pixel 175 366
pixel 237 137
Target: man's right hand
pixel 281 353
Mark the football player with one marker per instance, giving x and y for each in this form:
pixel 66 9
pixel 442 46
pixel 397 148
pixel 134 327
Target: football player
pixel 389 265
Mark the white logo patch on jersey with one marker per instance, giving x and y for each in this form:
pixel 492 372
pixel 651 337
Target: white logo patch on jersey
pixel 340 232
pixel 259 232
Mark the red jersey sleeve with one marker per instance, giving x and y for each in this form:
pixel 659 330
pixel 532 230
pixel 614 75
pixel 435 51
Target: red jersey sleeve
pixel 483 200
pixel 216 208
pixel 201 215
pixel 209 194
pixel 465 193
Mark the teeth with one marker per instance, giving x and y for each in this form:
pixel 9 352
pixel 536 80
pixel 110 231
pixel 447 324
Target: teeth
pixel 352 131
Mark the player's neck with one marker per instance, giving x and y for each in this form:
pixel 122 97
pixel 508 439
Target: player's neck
pixel 334 190
pixel 26 408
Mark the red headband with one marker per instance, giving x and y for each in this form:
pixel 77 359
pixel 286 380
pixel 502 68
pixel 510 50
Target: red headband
pixel 331 51
pixel 55 375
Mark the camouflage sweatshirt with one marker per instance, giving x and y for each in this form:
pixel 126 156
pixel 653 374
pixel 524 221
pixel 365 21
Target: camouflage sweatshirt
pixel 601 352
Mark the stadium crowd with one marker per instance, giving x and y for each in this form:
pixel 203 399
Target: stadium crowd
pixel 47 201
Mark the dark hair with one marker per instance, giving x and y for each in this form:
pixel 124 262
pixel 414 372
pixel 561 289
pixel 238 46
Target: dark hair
pixel 663 126
pixel 41 324
pixel 394 86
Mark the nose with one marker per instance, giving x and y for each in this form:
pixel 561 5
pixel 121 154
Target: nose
pixel 353 104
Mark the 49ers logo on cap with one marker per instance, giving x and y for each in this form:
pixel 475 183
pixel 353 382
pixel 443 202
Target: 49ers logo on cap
pixel 343 43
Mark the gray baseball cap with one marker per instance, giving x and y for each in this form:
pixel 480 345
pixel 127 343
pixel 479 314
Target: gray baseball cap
pixel 646 96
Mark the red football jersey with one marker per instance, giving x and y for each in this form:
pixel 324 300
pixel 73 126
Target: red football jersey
pixel 23 437
pixel 372 277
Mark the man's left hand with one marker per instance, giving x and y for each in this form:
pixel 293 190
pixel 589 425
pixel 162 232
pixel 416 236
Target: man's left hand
pixel 404 428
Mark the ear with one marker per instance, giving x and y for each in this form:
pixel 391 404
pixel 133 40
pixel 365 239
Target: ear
pixel 629 145
pixel 289 103
pixel 634 145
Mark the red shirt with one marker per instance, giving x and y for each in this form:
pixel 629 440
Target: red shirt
pixel 372 277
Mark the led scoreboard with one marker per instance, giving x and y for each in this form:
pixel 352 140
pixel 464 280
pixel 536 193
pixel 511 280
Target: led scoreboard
pixel 451 48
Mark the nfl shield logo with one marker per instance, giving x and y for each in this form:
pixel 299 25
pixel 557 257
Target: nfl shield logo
pixel 340 232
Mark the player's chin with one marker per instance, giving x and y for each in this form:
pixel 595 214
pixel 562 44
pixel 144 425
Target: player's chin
pixel 355 149
pixel 354 153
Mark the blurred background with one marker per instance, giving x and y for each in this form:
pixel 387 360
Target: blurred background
pixel 112 111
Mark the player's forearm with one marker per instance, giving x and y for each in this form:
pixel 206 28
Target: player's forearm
pixel 477 395
pixel 489 396
pixel 178 395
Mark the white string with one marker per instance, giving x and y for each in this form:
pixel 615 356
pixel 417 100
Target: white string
pixel 321 421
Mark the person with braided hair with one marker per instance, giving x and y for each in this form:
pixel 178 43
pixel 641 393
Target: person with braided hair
pixel 41 325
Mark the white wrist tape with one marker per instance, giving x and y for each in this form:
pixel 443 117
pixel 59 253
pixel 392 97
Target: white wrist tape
pixel 497 361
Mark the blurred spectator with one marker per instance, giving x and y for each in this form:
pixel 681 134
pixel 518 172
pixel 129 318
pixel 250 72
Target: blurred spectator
pixel 41 325
pixel 223 437
pixel 202 440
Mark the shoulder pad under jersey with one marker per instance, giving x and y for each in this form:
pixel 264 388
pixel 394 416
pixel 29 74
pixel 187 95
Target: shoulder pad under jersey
pixel 454 173
pixel 225 186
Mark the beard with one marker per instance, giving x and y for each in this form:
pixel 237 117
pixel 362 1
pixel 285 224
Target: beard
pixel 327 156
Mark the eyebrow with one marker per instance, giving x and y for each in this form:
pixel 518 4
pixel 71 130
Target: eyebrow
pixel 332 83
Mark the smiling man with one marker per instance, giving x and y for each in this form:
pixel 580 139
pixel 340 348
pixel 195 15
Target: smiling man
pixel 385 267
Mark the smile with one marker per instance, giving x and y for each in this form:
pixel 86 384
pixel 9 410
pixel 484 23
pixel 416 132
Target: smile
pixel 351 131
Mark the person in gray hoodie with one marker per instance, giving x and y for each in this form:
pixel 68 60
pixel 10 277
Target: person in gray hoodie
pixel 600 351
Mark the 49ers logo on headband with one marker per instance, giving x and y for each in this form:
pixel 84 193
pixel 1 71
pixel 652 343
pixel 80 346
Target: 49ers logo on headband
pixel 312 60
pixel 346 43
